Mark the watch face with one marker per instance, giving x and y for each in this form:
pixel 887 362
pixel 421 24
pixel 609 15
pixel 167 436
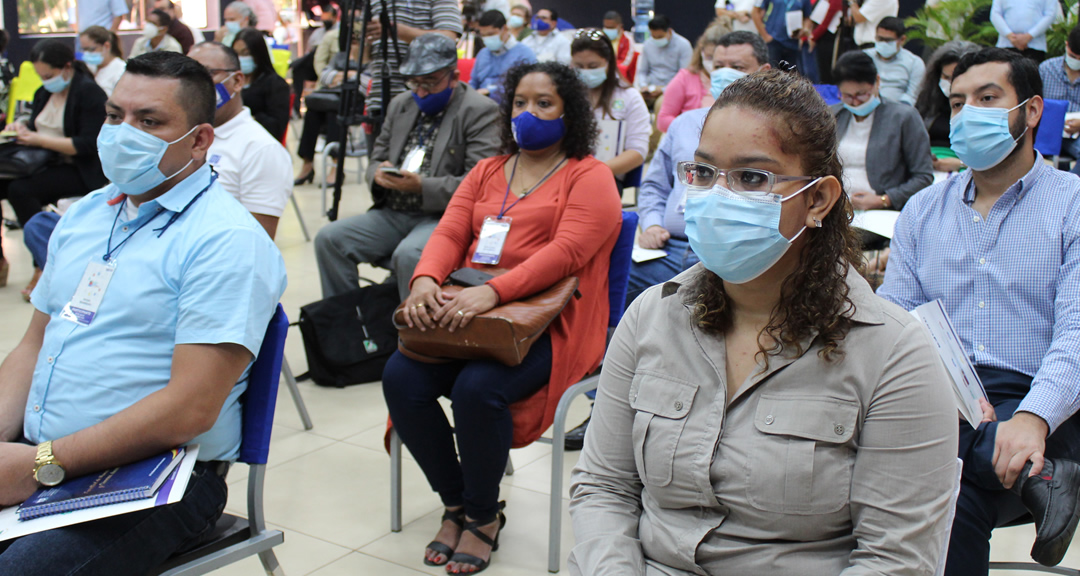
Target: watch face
pixel 50 475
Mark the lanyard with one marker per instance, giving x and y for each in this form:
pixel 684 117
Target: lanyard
pixel 504 209
pixel 420 136
pixel 110 251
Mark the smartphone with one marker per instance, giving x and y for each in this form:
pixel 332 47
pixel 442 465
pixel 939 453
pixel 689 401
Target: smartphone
pixel 391 170
pixel 469 277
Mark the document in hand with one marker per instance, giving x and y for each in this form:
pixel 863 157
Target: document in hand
pixel 966 383
pixel 612 139
pixel 793 19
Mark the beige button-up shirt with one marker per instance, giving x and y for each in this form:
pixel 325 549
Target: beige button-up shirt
pixel 811 468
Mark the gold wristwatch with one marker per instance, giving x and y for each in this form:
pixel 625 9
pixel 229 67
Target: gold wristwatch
pixel 47 470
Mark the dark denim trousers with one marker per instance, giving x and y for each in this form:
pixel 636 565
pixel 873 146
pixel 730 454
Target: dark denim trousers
pixel 983 503
pixel 482 392
pixel 121 545
pixel 36 236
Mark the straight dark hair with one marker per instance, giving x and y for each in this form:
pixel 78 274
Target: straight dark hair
pixel 57 54
pixel 1023 72
pixel 196 92
pixel 586 40
pixel 100 35
pixel 256 45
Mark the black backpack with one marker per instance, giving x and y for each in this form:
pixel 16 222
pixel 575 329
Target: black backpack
pixel 348 338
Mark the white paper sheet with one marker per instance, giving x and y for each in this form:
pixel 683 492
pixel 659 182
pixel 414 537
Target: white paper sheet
pixel 640 254
pixel 612 139
pixel 794 22
pixel 880 222
pixel 966 384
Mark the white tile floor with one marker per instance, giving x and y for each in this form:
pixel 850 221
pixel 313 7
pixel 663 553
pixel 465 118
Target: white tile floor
pixel 328 489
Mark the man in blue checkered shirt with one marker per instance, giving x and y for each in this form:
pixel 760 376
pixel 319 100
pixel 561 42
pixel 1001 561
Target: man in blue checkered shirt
pixel 1000 246
pixel 1061 81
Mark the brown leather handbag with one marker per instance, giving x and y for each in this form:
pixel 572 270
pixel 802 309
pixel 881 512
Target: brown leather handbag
pixel 504 333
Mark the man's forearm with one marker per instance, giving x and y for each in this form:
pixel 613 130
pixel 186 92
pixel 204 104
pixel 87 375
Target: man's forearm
pixel 16 376
pixel 408 33
pixel 115 26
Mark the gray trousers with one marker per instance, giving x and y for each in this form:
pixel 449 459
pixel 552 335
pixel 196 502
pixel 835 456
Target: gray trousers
pixel 372 237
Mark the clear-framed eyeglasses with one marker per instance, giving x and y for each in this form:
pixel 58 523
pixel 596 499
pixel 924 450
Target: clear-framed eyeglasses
pixel 427 84
pixel 700 177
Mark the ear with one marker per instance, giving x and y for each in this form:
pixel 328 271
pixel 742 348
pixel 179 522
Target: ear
pixel 822 198
pixel 240 78
pixel 204 137
pixel 1034 109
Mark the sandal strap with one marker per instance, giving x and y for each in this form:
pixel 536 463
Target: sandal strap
pixel 474 527
pixel 455 516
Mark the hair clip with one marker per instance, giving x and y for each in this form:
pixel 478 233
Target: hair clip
pixel 590 33
pixel 786 66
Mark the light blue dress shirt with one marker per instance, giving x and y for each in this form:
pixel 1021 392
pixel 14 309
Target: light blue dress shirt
pixel 657 66
pixel 489 71
pixel 1023 17
pixel 661 194
pixel 100 12
pixel 212 277
pixel 900 76
pixel 1010 282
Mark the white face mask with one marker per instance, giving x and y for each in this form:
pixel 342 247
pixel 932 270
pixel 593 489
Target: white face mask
pixel 945 86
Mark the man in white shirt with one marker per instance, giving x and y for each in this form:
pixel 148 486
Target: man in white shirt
pixel 251 165
pixel 865 18
pixel 546 42
pixel 900 71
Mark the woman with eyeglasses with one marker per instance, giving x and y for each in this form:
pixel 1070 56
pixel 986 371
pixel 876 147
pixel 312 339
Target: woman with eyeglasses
pixel 560 213
pixel 764 412
pixel 619 109
pixel 101 52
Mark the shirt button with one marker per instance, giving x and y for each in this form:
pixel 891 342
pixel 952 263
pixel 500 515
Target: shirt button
pixel 37 408
pixel 769 419
pixel 976 219
pixel 125 228
pixel 678 406
pixel 839 429
pixel 982 304
pixel 982 260
pixel 981 347
pixel 49 359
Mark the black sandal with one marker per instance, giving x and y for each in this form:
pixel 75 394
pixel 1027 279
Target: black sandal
pixel 474 527
pixel 455 516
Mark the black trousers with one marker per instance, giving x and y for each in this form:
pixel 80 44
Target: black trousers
pixel 314 124
pixel 29 195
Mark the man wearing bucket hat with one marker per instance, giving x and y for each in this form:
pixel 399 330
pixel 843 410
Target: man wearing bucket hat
pixel 432 136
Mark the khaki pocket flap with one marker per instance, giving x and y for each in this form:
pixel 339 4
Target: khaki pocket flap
pixel 810 417
pixel 662 396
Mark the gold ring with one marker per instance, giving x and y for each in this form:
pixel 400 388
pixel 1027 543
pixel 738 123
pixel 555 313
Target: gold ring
pixel 420 305
pixel 460 312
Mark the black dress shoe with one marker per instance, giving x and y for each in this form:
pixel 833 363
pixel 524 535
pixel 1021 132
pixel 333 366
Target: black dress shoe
pixel 575 439
pixel 1053 497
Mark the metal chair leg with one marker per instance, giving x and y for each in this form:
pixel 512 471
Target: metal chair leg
pixel 509 466
pixel 558 449
pixel 300 217
pixel 290 381
pixel 270 563
pixel 395 482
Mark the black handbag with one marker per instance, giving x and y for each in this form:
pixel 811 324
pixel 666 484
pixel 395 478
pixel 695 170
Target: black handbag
pixel 18 161
pixel 348 338
pixel 323 100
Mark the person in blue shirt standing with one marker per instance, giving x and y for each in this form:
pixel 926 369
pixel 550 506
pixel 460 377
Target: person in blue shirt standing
pixel 783 46
pixel 1022 25
pixel 155 299
pixel 501 52
pixel 105 13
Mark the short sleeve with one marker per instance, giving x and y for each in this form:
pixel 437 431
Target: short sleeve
pixel 266 181
pixel 118 8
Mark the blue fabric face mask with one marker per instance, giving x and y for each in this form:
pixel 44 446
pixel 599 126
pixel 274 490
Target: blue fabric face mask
pixel 434 102
pixel 56 83
pixel 721 78
pixel 223 95
pixel 866 108
pixel 130 157
pixel 737 237
pixel 981 137
pixel 493 43
pixel 887 49
pixel 592 77
pixel 532 133
pixel 247 64
pixel 93 58
pixel 232 26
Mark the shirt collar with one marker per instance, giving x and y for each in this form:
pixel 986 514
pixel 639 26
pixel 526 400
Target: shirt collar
pixel 1019 188
pixel 234 123
pixel 176 198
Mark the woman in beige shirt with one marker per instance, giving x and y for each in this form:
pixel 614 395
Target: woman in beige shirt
pixel 764 412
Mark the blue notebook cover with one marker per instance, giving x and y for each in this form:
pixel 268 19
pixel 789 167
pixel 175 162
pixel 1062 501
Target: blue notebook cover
pixel 131 482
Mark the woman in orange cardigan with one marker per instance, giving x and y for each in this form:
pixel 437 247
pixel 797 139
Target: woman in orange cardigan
pixel 564 216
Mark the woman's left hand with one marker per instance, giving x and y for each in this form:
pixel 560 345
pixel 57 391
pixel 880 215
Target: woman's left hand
pixel 26 136
pixel 462 307
pixel 865 201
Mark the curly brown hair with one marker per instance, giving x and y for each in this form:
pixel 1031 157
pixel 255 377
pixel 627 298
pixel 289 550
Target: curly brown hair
pixel 815 297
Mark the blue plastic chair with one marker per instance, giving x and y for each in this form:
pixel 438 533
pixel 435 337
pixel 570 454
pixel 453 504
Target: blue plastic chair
pixel 618 278
pixel 1051 127
pixel 236 538
pixel 829 93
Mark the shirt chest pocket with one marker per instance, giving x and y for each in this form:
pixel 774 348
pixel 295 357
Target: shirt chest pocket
pixel 802 455
pixel 662 405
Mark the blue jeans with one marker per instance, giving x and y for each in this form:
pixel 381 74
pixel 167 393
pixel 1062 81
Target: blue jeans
pixel 482 392
pixel 680 257
pixel 36 236
pixel 983 503
pixel 131 543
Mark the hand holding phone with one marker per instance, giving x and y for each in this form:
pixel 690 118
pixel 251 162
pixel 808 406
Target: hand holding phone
pixel 391 170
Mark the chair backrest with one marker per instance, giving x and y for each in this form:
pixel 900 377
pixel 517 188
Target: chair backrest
pixel 23 87
pixel 619 269
pixel 261 396
pixel 632 179
pixel 465 66
pixel 280 58
pixel 829 93
pixel 1051 126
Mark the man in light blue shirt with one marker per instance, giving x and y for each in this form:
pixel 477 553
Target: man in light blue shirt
pixel 105 13
pixel 501 52
pixel 900 71
pixel 663 55
pixel 999 245
pixel 154 301
pixel 1022 25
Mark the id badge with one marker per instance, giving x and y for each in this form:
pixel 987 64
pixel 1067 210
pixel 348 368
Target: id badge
pixel 83 306
pixel 413 160
pixel 492 237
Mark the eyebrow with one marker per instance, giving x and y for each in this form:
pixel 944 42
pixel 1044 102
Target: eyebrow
pixel 987 86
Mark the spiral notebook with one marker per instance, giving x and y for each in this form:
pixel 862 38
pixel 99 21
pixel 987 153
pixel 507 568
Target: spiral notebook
pixel 131 482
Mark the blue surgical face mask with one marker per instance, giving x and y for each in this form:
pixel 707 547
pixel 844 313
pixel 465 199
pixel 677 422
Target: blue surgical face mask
pixel 130 157
pixel 493 43
pixel 540 25
pixel 611 33
pixel 532 133
pixel 737 237
pixel 1072 63
pixel 887 49
pixel 247 64
pixel 232 26
pixel 721 78
pixel 93 58
pixel 56 84
pixel 223 95
pixel 866 108
pixel 660 42
pixel 592 77
pixel 981 137
pixel 515 21
pixel 434 102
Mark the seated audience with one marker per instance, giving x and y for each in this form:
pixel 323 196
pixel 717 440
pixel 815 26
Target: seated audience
pixel 65 117
pixel 900 70
pixel 764 412
pixel 1022 25
pixel 883 145
pixel 566 217
pixel 328 20
pixel 519 22
pixel 1061 81
pixel 237 16
pixel 155 36
pixel 181 320
pixel 612 98
pixel 319 121
pixel 774 29
pixel 999 246
pixel 303 68
pixel 933 102
pixel 433 135
pixel 547 42
pixel 501 52
pixel 689 90
pixel 101 52
pixel 177 29
pixel 266 93
pixel 621 42
pixel 664 54
pixel 252 165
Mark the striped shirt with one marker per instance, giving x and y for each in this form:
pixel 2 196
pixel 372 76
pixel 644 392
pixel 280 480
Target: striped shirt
pixel 422 14
pixel 1010 282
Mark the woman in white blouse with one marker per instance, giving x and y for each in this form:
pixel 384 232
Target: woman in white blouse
pixel 101 52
